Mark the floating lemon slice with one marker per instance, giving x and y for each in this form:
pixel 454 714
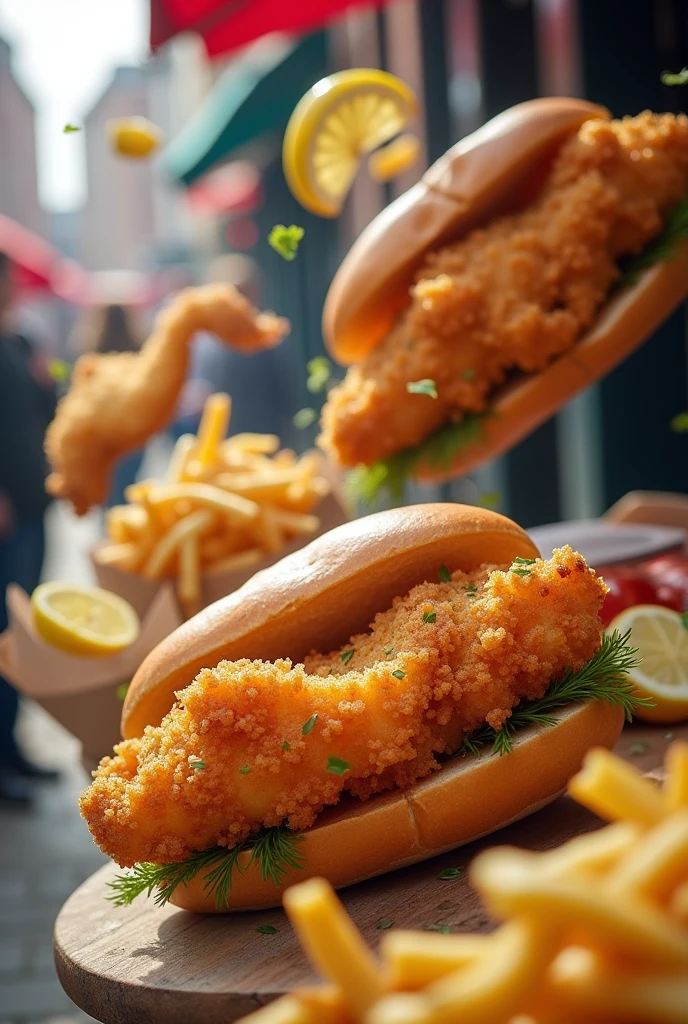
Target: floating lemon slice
pixel 134 136
pixel 661 636
pixel 337 122
pixel 85 621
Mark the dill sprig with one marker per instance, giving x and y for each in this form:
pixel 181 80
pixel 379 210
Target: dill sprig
pixel 273 851
pixel 603 677
pixel 663 248
pixel 367 483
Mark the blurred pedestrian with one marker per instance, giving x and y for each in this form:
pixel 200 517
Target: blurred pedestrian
pixel 27 404
pixel 110 328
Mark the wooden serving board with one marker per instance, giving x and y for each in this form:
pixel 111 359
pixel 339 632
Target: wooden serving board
pixel 149 965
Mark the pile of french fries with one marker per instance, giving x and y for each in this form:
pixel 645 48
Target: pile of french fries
pixel 226 504
pixel 594 931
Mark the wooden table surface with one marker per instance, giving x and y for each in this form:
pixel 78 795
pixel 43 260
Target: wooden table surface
pixel 148 965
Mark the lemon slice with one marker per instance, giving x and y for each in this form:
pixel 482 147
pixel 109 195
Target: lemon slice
pixel 134 136
pixel 661 636
pixel 85 621
pixel 337 122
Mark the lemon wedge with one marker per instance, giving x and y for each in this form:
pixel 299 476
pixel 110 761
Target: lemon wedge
pixel 135 137
pixel 85 621
pixel 661 636
pixel 338 121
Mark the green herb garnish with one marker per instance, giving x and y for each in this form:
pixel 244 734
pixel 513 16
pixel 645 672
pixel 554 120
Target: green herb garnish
pixel 679 423
pixel 471 589
pixel 445 575
pixel 308 727
pixel 389 650
pixel 273 851
pixel 304 418
pixel 520 572
pixel 603 677
pixel 346 656
pixel 429 616
pixel 245 770
pixel 398 674
pixel 524 561
pixel 662 248
pixel 336 766
pixel 266 929
pixel 197 766
pixel 367 483
pixel 443 929
pixel 638 748
pixel 70 128
pixel 675 77
pixel 59 370
pixel 490 499
pixel 286 746
pixel 121 692
pixel 450 873
pixel 318 374
pixel 422 387
pixel 285 240
pixel 384 923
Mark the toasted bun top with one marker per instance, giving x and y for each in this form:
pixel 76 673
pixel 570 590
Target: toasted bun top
pixel 318 597
pixel 496 169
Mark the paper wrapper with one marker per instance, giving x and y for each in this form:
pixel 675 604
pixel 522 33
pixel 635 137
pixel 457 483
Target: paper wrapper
pixel 140 592
pixel 81 693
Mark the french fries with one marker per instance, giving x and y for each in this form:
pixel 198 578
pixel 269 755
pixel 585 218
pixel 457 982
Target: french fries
pixel 225 504
pixel 595 931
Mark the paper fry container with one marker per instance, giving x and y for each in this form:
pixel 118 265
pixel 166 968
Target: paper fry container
pixel 81 693
pixel 140 592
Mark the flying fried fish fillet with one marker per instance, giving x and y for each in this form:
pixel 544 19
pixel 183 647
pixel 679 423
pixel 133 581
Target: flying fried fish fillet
pixel 117 401
pixel 385 704
pixel 516 294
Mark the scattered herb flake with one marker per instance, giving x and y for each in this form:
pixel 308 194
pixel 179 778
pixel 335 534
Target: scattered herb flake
pixel 308 727
pixel 468 374
pixel 266 929
pixel 679 423
pixel 304 418
pixel 384 923
pixel 286 746
pixel 197 765
pixel 398 674
pixel 663 248
pixel 524 561
pixel 675 77
pixel 422 387
pixel 59 370
pixel 490 499
pixel 337 766
pixel 449 874
pixel 448 906
pixel 346 656
pixel 121 691
pixel 429 616
pixel 638 748
pixel 389 650
pixel 70 128
pixel 318 374
pixel 684 619
pixel 245 770
pixel 285 240
pixel 445 575
pixel 443 929
pixel 471 589
pixel 520 572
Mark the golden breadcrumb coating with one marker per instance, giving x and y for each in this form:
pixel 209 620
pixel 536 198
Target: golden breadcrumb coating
pixel 515 294
pixel 116 401
pixel 444 659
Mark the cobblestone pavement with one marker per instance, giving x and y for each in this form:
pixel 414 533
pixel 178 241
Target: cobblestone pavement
pixel 47 852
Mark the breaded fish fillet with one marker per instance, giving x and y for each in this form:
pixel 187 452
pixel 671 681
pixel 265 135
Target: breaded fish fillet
pixel 250 743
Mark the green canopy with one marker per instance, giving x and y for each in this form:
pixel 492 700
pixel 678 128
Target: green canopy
pixel 256 94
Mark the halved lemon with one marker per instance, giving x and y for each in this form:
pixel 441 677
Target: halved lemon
pixel 661 636
pixel 337 122
pixel 85 621
pixel 134 136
